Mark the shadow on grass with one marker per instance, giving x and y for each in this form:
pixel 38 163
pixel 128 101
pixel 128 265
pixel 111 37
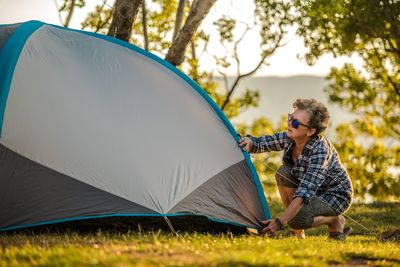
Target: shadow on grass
pixel 365 259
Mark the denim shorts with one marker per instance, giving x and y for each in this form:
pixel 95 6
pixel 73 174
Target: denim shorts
pixel 316 206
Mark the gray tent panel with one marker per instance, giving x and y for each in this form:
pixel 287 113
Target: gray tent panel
pixel 33 194
pixel 6 31
pixel 231 195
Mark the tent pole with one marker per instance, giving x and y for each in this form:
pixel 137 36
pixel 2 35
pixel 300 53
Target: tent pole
pixel 170 225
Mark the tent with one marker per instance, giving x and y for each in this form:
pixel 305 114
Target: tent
pixel 92 127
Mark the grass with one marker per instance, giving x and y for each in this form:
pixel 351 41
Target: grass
pixel 196 249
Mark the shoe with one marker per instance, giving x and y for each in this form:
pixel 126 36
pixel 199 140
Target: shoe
pixel 302 235
pixel 292 233
pixel 341 236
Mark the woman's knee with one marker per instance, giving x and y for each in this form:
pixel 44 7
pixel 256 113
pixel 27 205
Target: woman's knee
pixel 301 221
pixel 284 177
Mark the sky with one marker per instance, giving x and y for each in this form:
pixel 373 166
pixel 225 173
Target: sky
pixel 285 62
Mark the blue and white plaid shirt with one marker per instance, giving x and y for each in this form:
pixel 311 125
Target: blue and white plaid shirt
pixel 318 168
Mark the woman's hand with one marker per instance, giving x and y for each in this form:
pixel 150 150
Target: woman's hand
pixel 271 227
pixel 245 143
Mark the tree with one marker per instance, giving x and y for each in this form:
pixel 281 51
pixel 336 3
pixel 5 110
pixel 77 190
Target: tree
pixel 197 13
pixel 125 12
pixel 68 7
pixel 370 29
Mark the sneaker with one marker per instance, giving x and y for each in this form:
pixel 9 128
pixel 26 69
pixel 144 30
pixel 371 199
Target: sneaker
pixel 297 234
pixel 341 236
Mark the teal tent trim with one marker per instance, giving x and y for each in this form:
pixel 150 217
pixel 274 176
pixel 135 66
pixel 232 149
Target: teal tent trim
pixel 9 55
pixel 17 227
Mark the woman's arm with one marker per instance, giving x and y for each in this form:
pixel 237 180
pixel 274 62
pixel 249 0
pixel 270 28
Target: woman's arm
pixel 266 143
pixel 290 212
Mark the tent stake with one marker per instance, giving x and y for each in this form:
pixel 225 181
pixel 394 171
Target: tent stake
pixel 170 225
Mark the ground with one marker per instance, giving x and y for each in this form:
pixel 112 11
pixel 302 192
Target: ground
pixel 104 248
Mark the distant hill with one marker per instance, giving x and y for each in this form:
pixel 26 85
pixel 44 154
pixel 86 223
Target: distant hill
pixel 278 93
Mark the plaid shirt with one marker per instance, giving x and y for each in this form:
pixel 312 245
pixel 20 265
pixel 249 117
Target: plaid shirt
pixel 318 169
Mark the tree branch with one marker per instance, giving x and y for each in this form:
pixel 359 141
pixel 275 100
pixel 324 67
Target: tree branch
pixel 179 18
pixel 100 24
pixel 225 77
pixel 144 23
pixel 260 63
pixel 58 11
pixel 395 47
pixel 393 83
pixel 176 53
pixel 70 12
pixel 395 131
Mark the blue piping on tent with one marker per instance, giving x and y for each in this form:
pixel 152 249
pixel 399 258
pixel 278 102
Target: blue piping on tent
pixel 9 55
pixel 7 66
pixel 11 228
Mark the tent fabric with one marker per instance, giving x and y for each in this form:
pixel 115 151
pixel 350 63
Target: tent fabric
pixel 233 190
pixel 34 193
pixel 6 32
pixel 91 126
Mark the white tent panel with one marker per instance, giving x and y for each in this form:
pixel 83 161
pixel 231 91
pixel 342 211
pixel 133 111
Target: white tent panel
pixel 113 118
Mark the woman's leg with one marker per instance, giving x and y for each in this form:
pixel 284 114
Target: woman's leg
pixel 286 194
pixel 334 223
pixel 287 185
pixel 317 213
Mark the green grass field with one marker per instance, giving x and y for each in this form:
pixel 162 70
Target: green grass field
pixel 194 249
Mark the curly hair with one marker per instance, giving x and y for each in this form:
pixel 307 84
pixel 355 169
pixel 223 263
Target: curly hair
pixel 319 114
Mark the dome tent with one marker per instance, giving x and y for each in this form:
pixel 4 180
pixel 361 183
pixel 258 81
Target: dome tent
pixel 93 127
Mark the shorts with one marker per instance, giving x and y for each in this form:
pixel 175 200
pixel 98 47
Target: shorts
pixel 304 219
pixel 284 177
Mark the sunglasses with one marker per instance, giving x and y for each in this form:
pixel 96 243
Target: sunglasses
pixel 295 122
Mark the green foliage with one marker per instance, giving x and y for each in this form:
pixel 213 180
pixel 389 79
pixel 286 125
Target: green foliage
pixel 273 16
pixel 160 26
pixel 68 7
pixel 370 29
pixel 68 4
pixel 225 28
pixel 370 166
pixel 98 20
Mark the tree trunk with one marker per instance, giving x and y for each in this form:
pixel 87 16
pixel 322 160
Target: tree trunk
pixel 176 53
pixel 69 16
pixel 144 23
pixel 124 15
pixel 179 18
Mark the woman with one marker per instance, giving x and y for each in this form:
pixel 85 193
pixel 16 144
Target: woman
pixel 313 184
